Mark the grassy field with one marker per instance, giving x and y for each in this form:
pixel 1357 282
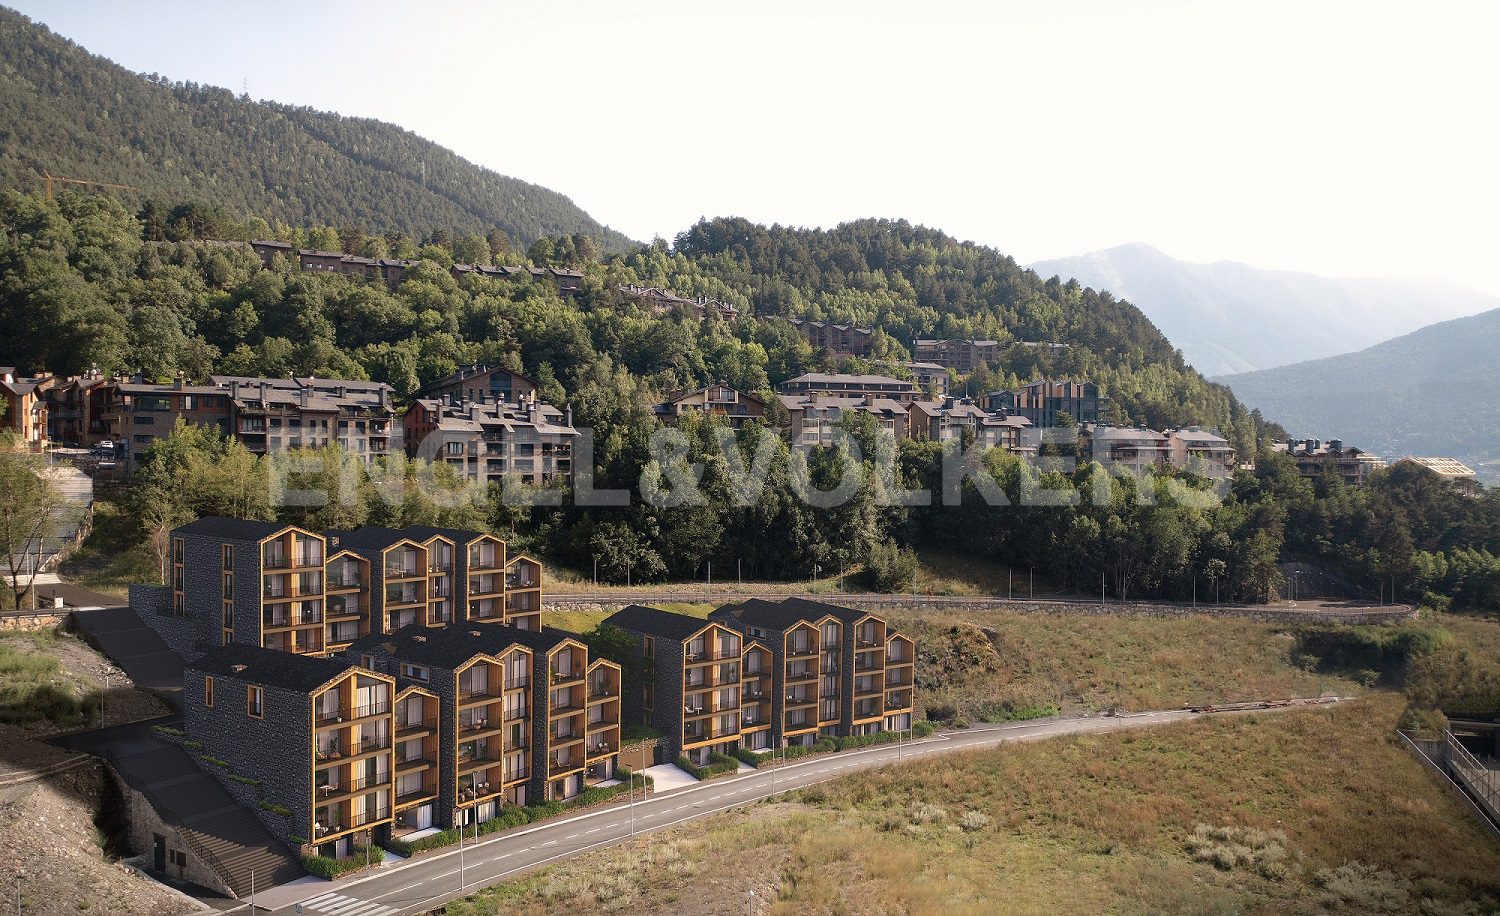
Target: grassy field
pixel 991 665
pixel 583 621
pixel 33 686
pixel 1302 811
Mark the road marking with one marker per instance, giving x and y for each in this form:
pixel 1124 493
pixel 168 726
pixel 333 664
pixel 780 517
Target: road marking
pixel 548 843
pixel 339 905
pixel 595 830
pixel 570 836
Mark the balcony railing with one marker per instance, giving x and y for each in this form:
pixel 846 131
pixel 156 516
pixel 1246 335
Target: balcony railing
pixel 332 750
pixel 413 762
pixel 340 713
pixel 345 786
pixel 369 816
pixel 419 792
pixel 344 581
pixel 566 677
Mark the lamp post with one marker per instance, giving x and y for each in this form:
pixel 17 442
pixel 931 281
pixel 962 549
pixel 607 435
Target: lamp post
pixel 596 570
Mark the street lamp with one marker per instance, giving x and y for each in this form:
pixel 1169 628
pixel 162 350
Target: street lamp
pixel 596 570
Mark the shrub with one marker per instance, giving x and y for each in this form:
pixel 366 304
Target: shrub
pixel 244 779
pixel 187 742
pixel 296 840
pixel 892 568
pixel 751 758
pixel 973 820
pixel 718 765
pixel 276 809
pixel 166 730
pixel 324 867
pixel 1228 848
pixel 1006 712
pixel 216 761
pixel 1363 887
pixel 923 729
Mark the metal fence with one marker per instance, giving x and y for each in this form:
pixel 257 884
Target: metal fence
pixel 1481 781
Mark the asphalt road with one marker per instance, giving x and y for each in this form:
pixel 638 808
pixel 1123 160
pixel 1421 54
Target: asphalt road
pixel 426 882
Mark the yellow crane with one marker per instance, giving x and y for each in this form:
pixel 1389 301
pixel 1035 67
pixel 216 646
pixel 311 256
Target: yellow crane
pixel 98 184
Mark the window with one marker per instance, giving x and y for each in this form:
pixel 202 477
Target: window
pixel 228 558
pixel 208 690
pixel 228 615
pixel 367 662
pixel 414 671
pixel 228 637
pixel 651 647
pixel 649 700
pixel 255 698
pixel 229 585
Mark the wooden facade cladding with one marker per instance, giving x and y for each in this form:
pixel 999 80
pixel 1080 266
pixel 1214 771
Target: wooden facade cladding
pixel 353 730
pixel 603 720
pixel 417 750
pixel 290 585
pixel 710 687
pixel 523 593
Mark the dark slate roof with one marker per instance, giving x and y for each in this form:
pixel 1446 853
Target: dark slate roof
pixel 271 667
pixel 544 641
pixel 656 622
pixel 373 537
pixel 232 529
pixel 817 609
pixel 758 612
pixel 457 535
pixel 439 647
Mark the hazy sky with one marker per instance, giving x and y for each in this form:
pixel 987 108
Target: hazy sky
pixel 1342 138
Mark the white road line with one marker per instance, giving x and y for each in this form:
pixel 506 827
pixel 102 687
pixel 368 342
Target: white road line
pixel 570 836
pixel 318 899
pixel 595 830
pixel 400 890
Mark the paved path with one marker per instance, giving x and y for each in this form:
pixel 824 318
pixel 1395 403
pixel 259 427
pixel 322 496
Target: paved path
pixel 428 881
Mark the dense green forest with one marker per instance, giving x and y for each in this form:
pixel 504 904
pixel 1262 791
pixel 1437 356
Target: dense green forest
pixel 69 113
pixel 81 283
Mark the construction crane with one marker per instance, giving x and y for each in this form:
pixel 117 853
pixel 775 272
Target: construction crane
pixel 98 184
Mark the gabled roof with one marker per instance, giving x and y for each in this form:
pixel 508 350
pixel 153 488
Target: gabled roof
pixel 272 667
pixel 758 612
pixel 456 535
pixel 545 641
pixel 449 647
pixel 818 609
pixel 657 622
pixel 231 529
pixel 373 537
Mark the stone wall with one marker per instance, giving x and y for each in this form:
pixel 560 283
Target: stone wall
pixel 143 824
pixel 1268 613
pixel 26 622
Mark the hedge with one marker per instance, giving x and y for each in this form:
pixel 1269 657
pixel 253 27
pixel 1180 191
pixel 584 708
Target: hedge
pixel 753 758
pixel 512 817
pixel 324 867
pixel 718 764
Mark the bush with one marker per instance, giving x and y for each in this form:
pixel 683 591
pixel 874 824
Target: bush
pixel 276 809
pixel 1006 712
pixel 1363 887
pixel 751 758
pixel 166 730
pixel 216 761
pixel 244 779
pixel 324 867
pixel 923 729
pixel 718 765
pixel 892 568
pixel 1228 848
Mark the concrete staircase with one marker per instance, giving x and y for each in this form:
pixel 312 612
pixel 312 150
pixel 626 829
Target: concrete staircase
pixel 223 833
pixel 120 633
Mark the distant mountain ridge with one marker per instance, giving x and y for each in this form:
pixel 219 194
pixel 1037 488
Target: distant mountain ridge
pixel 73 114
pixel 1432 392
pixel 1229 317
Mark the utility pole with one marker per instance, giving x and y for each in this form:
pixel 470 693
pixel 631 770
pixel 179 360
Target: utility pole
pixel 1101 589
pixel 1010 584
pixel 710 575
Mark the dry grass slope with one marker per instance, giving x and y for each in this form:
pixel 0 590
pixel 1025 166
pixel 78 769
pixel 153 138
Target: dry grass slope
pixel 1100 824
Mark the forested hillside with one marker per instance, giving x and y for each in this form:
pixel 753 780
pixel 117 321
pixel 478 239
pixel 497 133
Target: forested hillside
pixel 69 113
pixel 81 284
pixel 1430 392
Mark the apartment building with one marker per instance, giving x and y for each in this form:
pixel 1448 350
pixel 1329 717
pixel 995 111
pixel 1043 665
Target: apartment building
pixel 315 733
pixel 851 386
pixel 1314 457
pixel 761 675
pixel 71 405
pixel 488 441
pixel 519 717
pixel 1202 451
pixel 931 379
pixel 834 670
pixel 693 695
pixel 661 302
pixel 266 415
pixel 961 355
pixel 1044 399
pixel 734 406
pixel 838 339
pixel 25 408
pixel 813 419
pixel 1137 448
pixel 481 384
pixel 281 587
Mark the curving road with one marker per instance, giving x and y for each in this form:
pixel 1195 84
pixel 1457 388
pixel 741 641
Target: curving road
pixel 416 886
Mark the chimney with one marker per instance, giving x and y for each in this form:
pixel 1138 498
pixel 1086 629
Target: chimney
pixel 234 389
pixel 568 414
pixel 343 391
pixel 385 397
pixel 304 394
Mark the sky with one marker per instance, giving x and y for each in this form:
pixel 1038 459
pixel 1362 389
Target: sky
pixel 1339 138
